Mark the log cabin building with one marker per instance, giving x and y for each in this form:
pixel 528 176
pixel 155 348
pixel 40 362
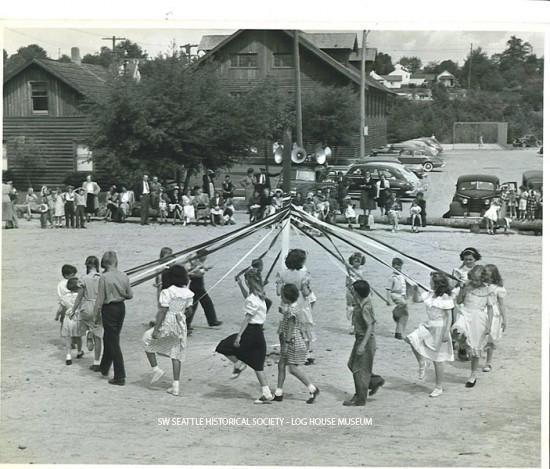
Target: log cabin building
pixel 44 124
pixel 247 57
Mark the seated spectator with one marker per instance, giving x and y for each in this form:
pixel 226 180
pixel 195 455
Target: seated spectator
pixel 126 203
pixel 112 203
pixel 228 188
pixel 265 203
pixel 216 209
pixel 175 208
pixel 255 207
pixel 188 208
pixel 31 203
pixel 229 212
pixel 201 201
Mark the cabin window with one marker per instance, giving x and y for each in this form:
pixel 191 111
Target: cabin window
pixel 84 160
pixel 39 97
pixel 4 156
pixel 282 60
pixel 248 60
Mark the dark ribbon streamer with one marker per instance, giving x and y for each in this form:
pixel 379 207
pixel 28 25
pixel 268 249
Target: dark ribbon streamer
pixel 362 250
pixel 334 255
pixel 252 229
pixel 210 242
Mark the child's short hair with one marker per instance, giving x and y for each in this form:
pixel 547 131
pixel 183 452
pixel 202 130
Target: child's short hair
pixel 68 270
pixel 91 261
pixel 257 264
pixel 362 288
pixel 110 259
pixel 397 261
pixel 165 252
pixel 357 256
pixel 295 259
pixel 491 275
pixel 476 272
pixel 72 284
pixel 202 253
pixel 470 252
pixel 290 292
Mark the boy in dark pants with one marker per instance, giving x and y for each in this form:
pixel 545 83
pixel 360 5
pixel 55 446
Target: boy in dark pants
pixel 362 355
pixel 397 294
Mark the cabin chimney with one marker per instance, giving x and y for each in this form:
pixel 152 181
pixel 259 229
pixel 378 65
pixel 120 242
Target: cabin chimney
pixel 75 55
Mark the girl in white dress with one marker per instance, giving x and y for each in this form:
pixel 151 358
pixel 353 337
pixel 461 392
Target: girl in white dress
pixel 431 341
pixel 188 208
pixel 472 319
pixel 169 335
pixel 491 216
pixel 496 310
pixel 59 211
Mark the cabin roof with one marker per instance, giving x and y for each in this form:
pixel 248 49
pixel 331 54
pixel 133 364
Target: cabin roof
pixel 87 79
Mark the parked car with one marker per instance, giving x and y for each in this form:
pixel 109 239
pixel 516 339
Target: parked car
pixel 416 168
pixel 527 141
pixel 473 195
pixel 420 145
pixel 533 178
pixel 306 178
pixel 403 182
pixel 418 157
pixel 433 142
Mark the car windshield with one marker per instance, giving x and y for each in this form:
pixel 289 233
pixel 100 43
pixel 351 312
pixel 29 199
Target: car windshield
pixel 476 186
pixel 305 175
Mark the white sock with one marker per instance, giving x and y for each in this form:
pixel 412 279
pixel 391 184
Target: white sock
pixel 68 357
pixel 176 385
pixel 266 391
pixel 155 368
pixel 97 362
pixel 311 388
pixel 279 392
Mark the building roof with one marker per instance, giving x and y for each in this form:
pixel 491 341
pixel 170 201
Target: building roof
pixel 87 79
pixel 445 74
pixel 320 40
pixel 333 40
pixel 423 76
pixel 349 72
pixel 370 55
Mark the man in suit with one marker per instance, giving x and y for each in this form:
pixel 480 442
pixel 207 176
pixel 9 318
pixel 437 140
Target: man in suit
pixel 262 181
pixel 143 192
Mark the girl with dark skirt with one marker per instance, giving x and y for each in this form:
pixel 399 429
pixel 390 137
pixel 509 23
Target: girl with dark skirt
pixel 248 345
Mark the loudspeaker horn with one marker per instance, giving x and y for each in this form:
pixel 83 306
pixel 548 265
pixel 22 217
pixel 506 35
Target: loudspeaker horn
pixel 298 154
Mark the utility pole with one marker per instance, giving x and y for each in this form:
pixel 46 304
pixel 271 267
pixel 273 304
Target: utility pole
pixel 298 85
pixel 362 95
pixel 187 48
pixel 114 39
pixel 470 66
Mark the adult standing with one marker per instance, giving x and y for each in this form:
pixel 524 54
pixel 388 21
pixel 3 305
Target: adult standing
pixel 92 190
pixel 247 183
pixel 155 193
pixel 341 190
pixel 382 190
pixel 113 289
pixel 208 183
pixel 196 269
pixel 368 194
pixel 143 192
pixel 262 181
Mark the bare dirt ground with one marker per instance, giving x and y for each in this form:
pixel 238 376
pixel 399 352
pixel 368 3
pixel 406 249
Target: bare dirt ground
pixel 53 413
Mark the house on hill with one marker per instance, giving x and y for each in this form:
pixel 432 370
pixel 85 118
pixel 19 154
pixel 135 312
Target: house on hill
pixel 245 58
pixel 44 126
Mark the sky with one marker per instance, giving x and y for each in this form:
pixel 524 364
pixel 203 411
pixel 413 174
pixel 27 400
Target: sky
pixel 427 45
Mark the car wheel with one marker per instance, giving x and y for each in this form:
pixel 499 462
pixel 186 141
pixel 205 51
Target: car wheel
pixel 428 166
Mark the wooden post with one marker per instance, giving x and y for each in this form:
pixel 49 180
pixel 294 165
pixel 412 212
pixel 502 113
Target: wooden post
pixel 298 84
pixel 287 162
pixel 362 96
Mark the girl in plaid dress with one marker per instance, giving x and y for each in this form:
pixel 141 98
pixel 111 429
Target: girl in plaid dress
pixel 532 204
pixel 169 335
pixel 293 344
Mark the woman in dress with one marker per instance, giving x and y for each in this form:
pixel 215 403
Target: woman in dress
pixel 59 211
pixel 297 275
pixel 368 194
pixel 472 320
pixel 431 341
pixel 92 190
pixel 248 345
pixel 497 311
pixel 169 334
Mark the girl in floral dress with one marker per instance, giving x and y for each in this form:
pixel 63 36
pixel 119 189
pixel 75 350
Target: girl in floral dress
pixel 169 335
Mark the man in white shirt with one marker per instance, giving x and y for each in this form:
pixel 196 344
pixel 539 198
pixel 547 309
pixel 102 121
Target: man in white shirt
pixel 144 195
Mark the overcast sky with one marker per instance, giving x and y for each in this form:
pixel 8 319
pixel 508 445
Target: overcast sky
pixel 428 45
